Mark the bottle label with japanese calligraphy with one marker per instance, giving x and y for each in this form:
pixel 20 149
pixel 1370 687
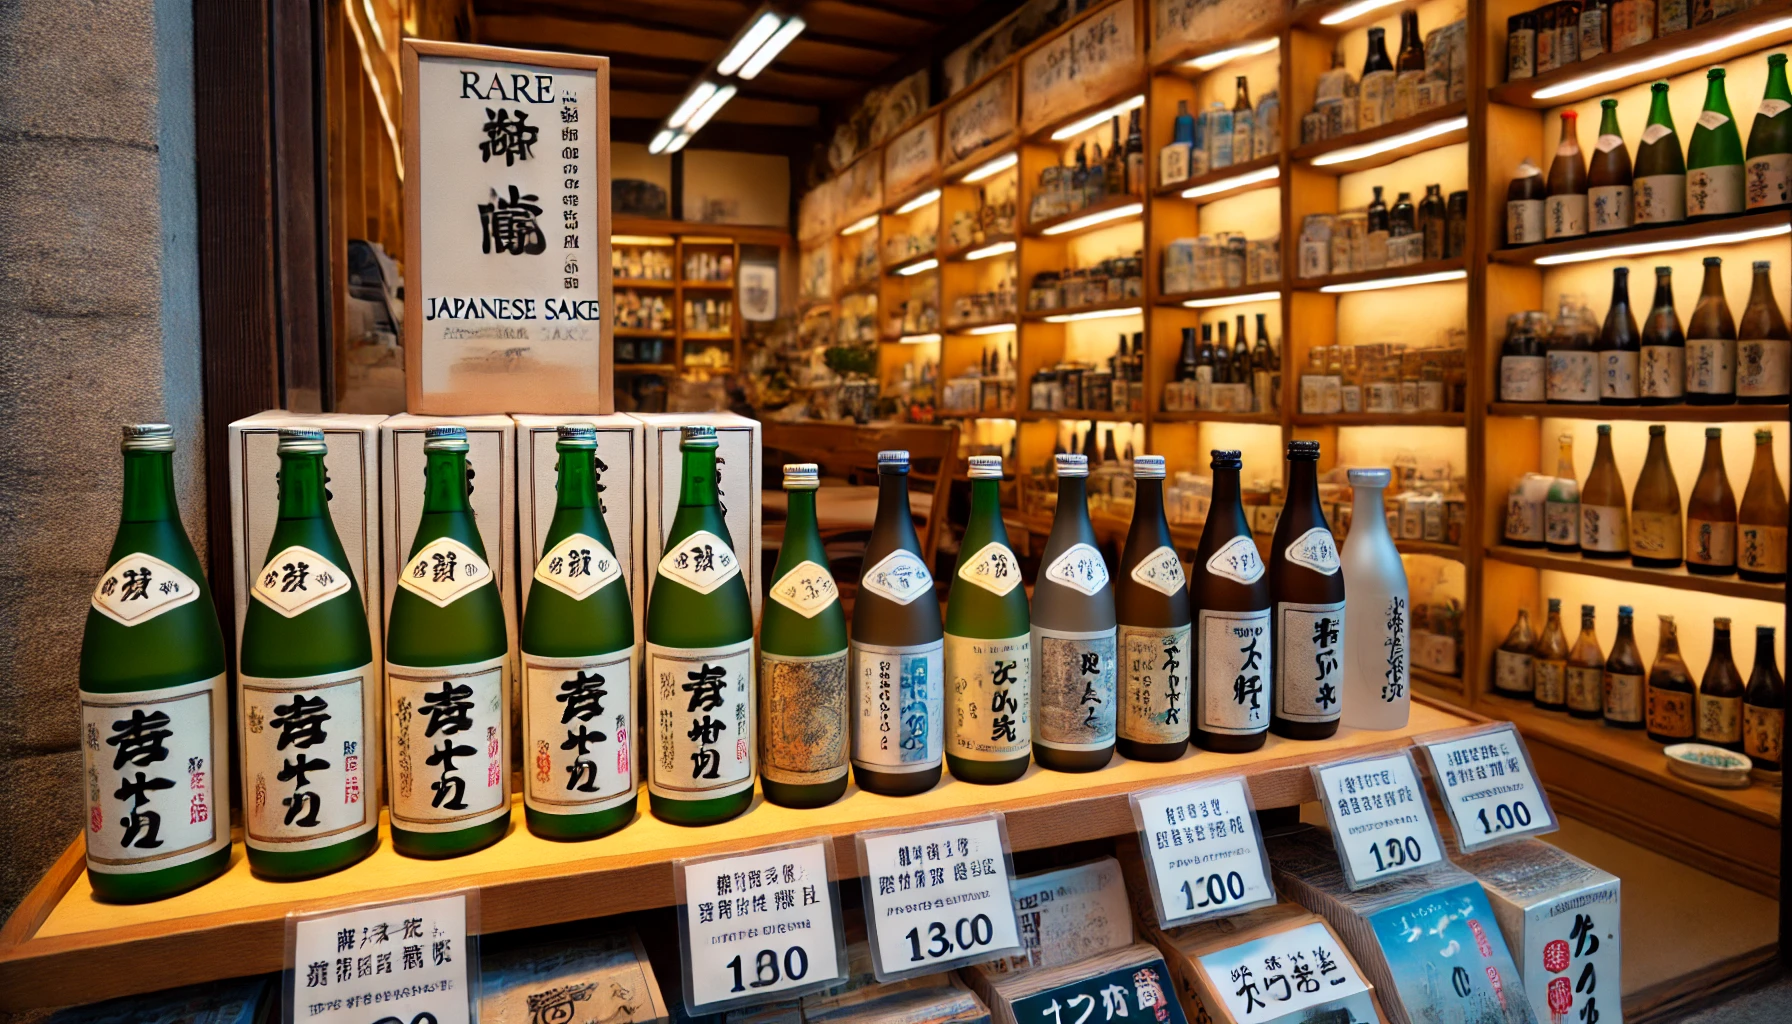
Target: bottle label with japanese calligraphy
pixel 1670 712
pixel 1623 697
pixel 154 762
pixel 1573 376
pixel 1656 535
pixel 1512 672
pixel 702 562
pixel 802 732
pixel 1315 550
pixel 1309 672
pixel 1710 542
pixel 1763 368
pixel 1561 523
pixel 1712 191
pixel 1586 688
pixel 990 706
pixel 1238 561
pixel 1618 375
pixel 806 589
pixel 1075 687
pixel 1524 221
pixel 1663 372
pixel 1081 568
pixel 1604 528
pixel 1161 570
pixel 297 580
pixel 899 706
pixel 139 587
pixel 445 571
pixel 900 577
pixel 446 727
pixel 994 568
pixel 1660 198
pixel 309 751
pixel 1710 366
pixel 1720 719
pixel 700 706
pixel 1761 548
pixel 1156 666
pixel 1767 180
pixel 1565 216
pixel 1763 732
pixel 1612 206
pixel 578 566
pixel 1233 683
pixel 1522 379
pixel 578 739
pixel 1550 678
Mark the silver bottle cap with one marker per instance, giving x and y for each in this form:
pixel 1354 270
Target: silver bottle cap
pixel 148 437
pixel 697 435
pixel 1070 464
pixel 1370 477
pixel 582 435
pixel 896 459
pixel 801 476
pixel 986 467
pixel 445 439
pixel 301 440
pixel 1148 467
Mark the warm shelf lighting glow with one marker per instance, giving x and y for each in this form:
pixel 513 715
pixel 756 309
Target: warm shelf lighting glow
pixel 993 329
pixel 1117 213
pixel 1094 314
pixel 863 224
pixel 918 339
pixel 708 110
pixel 641 240
pixel 1232 300
pixel 1396 282
pixel 919 201
pixel 1207 62
pixel 697 98
pixel 1355 11
pixel 1662 60
pixel 918 268
pixel 792 28
pixel 1100 117
pixel 754 38
pixel 1647 248
pixel 1236 181
pixel 994 167
pixel 998 249
pixel 1391 143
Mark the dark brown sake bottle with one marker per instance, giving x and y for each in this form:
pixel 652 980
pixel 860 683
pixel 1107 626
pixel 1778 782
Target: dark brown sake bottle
pixel 1720 693
pixel 1231 602
pixel 1711 514
pixel 1764 708
pixel 1307 627
pixel 1624 676
pixel 1151 606
pixel 1671 694
pixel 1565 207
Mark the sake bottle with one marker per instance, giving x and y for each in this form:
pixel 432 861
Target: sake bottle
pixel 1669 710
pixel 1565 207
pixel 1767 174
pixel 447 674
pixel 1525 195
pixel 898 670
pixel 989 647
pixel 1586 670
pixel 803 707
pixel 1662 373
pixel 1624 676
pixel 308 694
pixel 1711 343
pixel 1377 643
pixel 1711 514
pixel 1561 508
pixel 1610 205
pixel 1764 708
pixel 154 726
pixel 1306 586
pixel 1230 600
pixel 1761 519
pixel 1073 629
pixel 1155 635
pixel 1619 349
pixel 1720 694
pixel 1657 534
pixel 1604 511
pixel 1660 182
pixel 1714 156
pixel 1763 346
pixel 1549 664
pixel 699 671
pixel 1513 660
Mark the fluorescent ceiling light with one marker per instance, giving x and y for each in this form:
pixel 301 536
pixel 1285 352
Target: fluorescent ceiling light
pixel 1210 61
pixel 1647 248
pixel 1662 60
pixel 998 249
pixel 1355 11
pixel 708 110
pixel 661 141
pixel 1082 125
pixel 1094 314
pixel 1396 282
pixel 919 201
pixel 1236 181
pixel 769 52
pixel 996 166
pixel 1392 142
pixel 918 268
pixel 993 329
pixel 678 142
pixel 1117 213
pixel 1232 300
pixel 918 339
pixel 862 224
pixel 755 36
pixel 696 99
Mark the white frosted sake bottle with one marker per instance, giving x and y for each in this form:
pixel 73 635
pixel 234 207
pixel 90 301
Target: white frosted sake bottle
pixel 1378 626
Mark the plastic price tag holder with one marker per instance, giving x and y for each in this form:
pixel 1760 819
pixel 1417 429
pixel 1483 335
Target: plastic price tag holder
pixel 759 924
pixel 1380 820
pixel 415 961
pixel 1204 850
pixel 1488 785
pixel 937 897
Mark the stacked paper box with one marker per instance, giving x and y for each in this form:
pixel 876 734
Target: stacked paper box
pixel 1131 982
pixel 602 980
pixel 1068 914
pixel 739 455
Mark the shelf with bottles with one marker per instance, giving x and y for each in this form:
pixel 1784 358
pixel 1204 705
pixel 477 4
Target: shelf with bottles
pixel 1092 176
pixel 643 260
pixel 858 266
pixel 649 311
pixel 707 261
pixel 1421 233
pixel 1220 377
pixel 1117 282
pixel 981 306
pixel 1645 413
pixel 1642 241
pixel 911 235
pixel 1226 262
pixel 1424 383
pixel 1213 138
pixel 1624 571
pixel 979 218
pixel 1426 272
pixel 1215 298
pixel 856 321
pixel 910 305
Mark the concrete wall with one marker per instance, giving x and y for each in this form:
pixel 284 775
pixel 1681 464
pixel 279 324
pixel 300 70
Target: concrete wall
pixel 99 326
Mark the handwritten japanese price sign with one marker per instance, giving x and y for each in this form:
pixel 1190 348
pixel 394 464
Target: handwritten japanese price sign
pixel 1287 976
pixel 757 925
pixel 1205 850
pixel 1138 994
pixel 1488 785
pixel 938 897
pixel 1380 821
pixel 384 962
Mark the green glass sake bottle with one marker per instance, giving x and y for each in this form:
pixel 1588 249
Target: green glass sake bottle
pixel 1714 156
pixel 699 675
pixel 308 693
pixel 578 664
pixel 447 674
pixel 1659 186
pixel 989 720
pixel 803 713
pixel 1154 634
pixel 154 738
pixel 1767 175
pixel 1074 636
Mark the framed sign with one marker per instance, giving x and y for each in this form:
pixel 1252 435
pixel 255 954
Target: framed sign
pixel 912 158
pixel 1080 68
pixel 982 119
pixel 507 230
pixel 1191 26
pixel 861 190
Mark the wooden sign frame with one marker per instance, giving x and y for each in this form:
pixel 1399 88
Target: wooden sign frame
pixel 548 389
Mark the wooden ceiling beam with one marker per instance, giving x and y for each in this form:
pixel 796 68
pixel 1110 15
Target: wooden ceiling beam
pixel 834 57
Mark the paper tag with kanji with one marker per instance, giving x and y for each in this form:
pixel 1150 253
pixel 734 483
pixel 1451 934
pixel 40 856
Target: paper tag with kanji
pixel 444 571
pixel 1711 120
pixel 1315 550
pixel 1080 568
pixel 806 589
pixel 297 580
pixel 578 566
pixel 1237 560
pixel 1161 570
pixel 702 561
pixel 139 587
pixel 993 567
pixel 900 577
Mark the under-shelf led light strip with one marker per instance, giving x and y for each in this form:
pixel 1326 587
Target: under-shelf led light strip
pixel 993 329
pixel 918 339
pixel 1395 282
pixel 1232 300
pixel 1392 142
pixel 1236 181
pixel 1100 117
pixel 1209 61
pixel 919 201
pixel 997 249
pixel 1355 11
pixel 991 169
pixel 1094 314
pixel 1616 252
pixel 1761 33
pixel 1102 217
pixel 918 268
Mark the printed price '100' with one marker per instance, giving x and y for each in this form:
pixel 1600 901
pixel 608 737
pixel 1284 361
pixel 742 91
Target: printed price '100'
pixel 1219 890
pixel 970 933
pixel 1400 852
pixel 765 968
pixel 1505 816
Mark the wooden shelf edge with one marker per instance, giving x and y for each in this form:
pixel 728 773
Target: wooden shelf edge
pixel 1655 413
pixel 1366 419
pixel 1039 315
pixel 643 282
pixel 1176 299
pixel 1527 255
pixel 1313 284
pixel 1208 416
pixel 1305 155
pixel 1174 191
pixel 1620 569
pixel 1037 230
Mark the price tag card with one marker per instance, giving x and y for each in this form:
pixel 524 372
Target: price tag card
pixel 1380 821
pixel 404 959
pixel 937 897
pixel 1141 993
pixel 1488 785
pixel 1204 848
pixel 758 925
pixel 1302 974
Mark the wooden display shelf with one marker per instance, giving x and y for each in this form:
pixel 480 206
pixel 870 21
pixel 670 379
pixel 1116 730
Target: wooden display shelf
pixel 958 255
pixel 643 282
pixel 1213 416
pixel 709 335
pixel 1306 154
pixel 1040 315
pixel 711 285
pixel 1038 228
pixel 1237 170
pixel 1093 415
pixel 1313 284
pixel 1644 63
pixel 1178 298
pixel 859 288
pixel 1376 419
pixel 646 368
pixel 1686 234
pixel 1621 569
pixel 641 332
pixel 1437 548
pixel 1651 413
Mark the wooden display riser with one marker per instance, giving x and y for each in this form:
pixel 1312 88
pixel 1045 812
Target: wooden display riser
pixel 62 946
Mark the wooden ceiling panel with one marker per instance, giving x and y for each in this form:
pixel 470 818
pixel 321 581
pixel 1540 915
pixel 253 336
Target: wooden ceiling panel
pixel 845 20
pixel 594 36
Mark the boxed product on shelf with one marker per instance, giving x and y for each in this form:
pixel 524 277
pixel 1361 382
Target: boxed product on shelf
pixel 605 979
pixel 862 999
pixel 1134 980
pixel 1226 260
pixel 245 1001
pixel 1068 914
pixel 738 487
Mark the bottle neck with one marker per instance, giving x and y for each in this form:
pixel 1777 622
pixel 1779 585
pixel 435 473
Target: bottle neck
pixel 1713 286
pixel 1720 644
pixel 1626 630
pixel 1303 483
pixel 1776 81
pixel 1764 653
pixel 1658 108
pixel 1714 455
pixel 1603 451
pixel 1565 461
pixel 892 505
pixel 302 494
pixel 698 480
pixel 149 487
pixel 1073 497
pixel 802 535
pixel 578 479
pixel 1670 641
pixel 445 482
pixel 1715 98
pixel 1621 288
pixel 1368 516
pixel 1764 466
pixel 1608 121
pixel 1664 291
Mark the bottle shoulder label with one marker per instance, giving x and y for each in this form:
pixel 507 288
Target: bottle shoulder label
pixel 1712 120
pixel 700 704
pixel 1237 560
pixel 993 567
pixel 578 566
pixel 447 727
pixel 139 587
pixel 1079 567
pixel 899 576
pixel 1771 107
pixel 1161 570
pixel 578 740
pixel 806 589
pixel 308 752
pixel 1607 143
pixel 702 562
pixel 299 579
pixel 1655 133
pixel 1315 550
pixel 445 571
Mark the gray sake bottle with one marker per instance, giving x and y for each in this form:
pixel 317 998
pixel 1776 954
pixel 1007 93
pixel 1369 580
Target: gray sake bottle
pixel 1073 636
